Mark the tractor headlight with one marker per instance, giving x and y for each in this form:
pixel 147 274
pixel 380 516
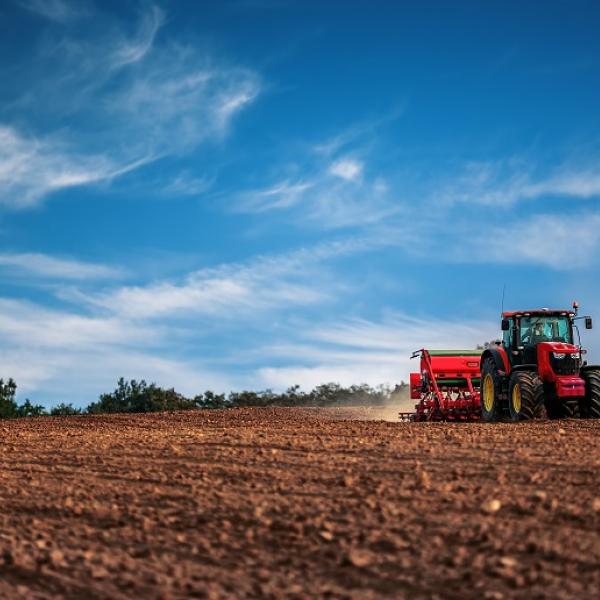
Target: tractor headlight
pixel 559 355
pixel 575 355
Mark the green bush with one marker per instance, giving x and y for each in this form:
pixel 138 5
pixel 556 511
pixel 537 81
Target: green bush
pixel 138 397
pixel 9 409
pixel 211 400
pixel 64 410
pixel 8 406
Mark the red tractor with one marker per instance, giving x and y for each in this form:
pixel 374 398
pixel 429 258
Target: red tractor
pixel 538 369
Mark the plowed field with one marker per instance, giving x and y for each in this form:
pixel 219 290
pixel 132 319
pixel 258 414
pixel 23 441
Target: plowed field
pixel 297 503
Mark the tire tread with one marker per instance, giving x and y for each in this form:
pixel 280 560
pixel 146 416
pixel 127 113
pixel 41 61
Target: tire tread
pixel 591 408
pixel 532 396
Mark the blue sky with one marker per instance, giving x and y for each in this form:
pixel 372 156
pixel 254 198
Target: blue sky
pixel 258 193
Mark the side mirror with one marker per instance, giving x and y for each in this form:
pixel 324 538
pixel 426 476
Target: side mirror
pixel 588 322
pixel 505 324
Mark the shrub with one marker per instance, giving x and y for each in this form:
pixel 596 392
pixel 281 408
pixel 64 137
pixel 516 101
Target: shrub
pixel 9 409
pixel 8 406
pixel 65 410
pixel 137 396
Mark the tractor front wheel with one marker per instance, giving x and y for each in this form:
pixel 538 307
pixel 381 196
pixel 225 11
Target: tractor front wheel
pixel 525 396
pixel 590 407
pixel 562 408
pixel 491 391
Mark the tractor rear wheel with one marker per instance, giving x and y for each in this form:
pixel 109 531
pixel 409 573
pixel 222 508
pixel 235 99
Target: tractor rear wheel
pixel 525 396
pixel 491 391
pixel 590 408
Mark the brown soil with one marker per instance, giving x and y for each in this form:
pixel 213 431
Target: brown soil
pixel 297 503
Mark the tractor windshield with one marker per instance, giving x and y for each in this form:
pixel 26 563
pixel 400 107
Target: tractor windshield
pixel 551 328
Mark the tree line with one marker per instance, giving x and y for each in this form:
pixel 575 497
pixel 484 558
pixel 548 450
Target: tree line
pixel 140 397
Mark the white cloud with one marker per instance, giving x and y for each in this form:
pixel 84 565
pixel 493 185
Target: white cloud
pixel 23 323
pixel 327 197
pixel 262 285
pixel 232 101
pixel 60 11
pixel 561 242
pixel 132 51
pixel 65 356
pixel 504 183
pixel 128 332
pixel 168 100
pixel 230 291
pixel 175 102
pixel 347 168
pixel 80 375
pixel 31 168
pixel 576 184
pixel 50 376
pixel 42 265
pixel 186 184
pixel 282 195
pixel 356 351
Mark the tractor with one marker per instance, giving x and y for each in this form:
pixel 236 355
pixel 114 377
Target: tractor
pixel 538 369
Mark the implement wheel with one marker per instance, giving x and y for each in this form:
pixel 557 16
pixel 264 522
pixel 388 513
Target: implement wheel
pixel 525 396
pixel 491 389
pixel 590 407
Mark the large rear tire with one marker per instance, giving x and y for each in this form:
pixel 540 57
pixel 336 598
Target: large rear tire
pixel 590 407
pixel 491 391
pixel 525 396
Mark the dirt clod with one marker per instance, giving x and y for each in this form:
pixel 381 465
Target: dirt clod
pixel 489 507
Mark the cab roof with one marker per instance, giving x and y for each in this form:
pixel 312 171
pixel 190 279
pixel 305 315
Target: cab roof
pixel 538 312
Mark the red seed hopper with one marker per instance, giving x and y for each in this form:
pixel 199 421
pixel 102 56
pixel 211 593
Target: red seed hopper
pixel 447 386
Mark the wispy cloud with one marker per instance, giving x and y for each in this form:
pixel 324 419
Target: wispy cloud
pixel 282 195
pixel 137 331
pixel 187 184
pixel 561 242
pixel 134 50
pixel 357 351
pixel 43 348
pixel 326 202
pixel 347 168
pixel 60 11
pixel 504 183
pixel 44 266
pixel 573 183
pixel 232 290
pixel 130 100
pixel 175 101
pixel 357 134
pixel 22 322
pixel 330 194
pixel 31 168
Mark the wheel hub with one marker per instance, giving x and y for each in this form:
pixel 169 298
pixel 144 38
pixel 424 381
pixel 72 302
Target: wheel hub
pixel 516 398
pixel 488 393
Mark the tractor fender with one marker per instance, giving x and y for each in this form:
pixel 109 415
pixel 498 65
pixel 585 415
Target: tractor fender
pixel 526 367
pixel 590 368
pixel 500 358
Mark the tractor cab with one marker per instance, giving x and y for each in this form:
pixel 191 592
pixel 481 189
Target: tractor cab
pixel 524 331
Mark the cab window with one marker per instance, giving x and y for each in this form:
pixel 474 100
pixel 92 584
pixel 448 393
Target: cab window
pixel 507 335
pixel 545 329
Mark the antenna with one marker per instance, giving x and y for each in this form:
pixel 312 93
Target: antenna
pixel 503 293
